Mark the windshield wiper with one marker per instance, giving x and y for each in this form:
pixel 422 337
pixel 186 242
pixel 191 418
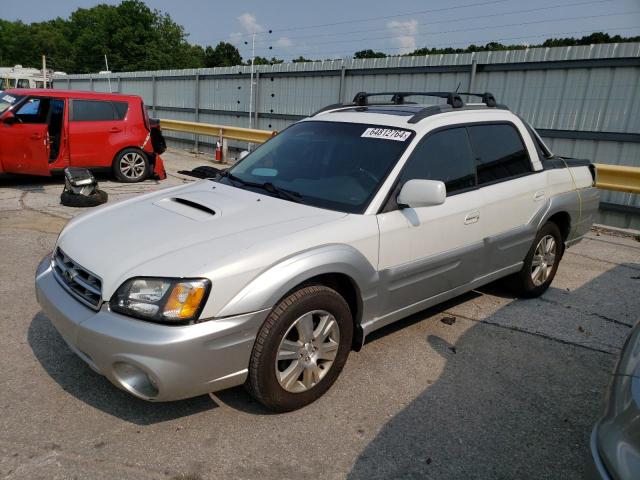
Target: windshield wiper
pixel 268 186
pixel 281 192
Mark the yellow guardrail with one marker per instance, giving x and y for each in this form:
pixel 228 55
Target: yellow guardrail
pixel 618 177
pixel 222 131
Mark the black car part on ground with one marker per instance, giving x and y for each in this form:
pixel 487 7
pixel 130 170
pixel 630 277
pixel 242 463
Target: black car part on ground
pixel 202 172
pixel 81 189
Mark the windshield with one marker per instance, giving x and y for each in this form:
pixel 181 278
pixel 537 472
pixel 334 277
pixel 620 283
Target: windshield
pixel 7 100
pixel 338 166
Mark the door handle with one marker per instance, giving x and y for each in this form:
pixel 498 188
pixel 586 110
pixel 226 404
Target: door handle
pixel 115 130
pixel 539 195
pixel 35 136
pixel 472 217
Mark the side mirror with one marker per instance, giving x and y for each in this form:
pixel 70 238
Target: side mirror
pixel 9 118
pixel 422 193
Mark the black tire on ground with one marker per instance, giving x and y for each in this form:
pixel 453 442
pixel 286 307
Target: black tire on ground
pixel 131 165
pixel 262 382
pixel 98 197
pixel 522 283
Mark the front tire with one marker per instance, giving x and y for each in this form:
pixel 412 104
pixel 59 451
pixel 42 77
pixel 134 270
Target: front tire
pixel 540 264
pixel 131 165
pixel 300 349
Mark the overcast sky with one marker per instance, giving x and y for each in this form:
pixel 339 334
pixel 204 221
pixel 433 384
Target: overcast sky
pixel 334 29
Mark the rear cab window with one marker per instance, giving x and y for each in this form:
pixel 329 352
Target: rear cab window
pixel 98 110
pixel 500 152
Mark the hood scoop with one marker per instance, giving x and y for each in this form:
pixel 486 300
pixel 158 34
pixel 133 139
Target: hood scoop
pixel 190 206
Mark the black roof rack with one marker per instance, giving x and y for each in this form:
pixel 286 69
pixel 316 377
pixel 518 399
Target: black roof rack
pixel 454 102
pixel 397 98
pixel 487 98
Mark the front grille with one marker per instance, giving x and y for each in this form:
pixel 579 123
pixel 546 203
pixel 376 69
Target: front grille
pixel 78 281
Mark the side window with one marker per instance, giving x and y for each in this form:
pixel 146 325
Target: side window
pixel 121 109
pixel 22 83
pixel 500 153
pixel 446 156
pixel 35 110
pixel 92 111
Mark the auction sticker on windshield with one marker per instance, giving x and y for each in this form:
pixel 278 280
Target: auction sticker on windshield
pixel 9 98
pixel 386 134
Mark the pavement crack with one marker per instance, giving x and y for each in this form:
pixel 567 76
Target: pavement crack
pixel 598 315
pixel 622 265
pixel 538 334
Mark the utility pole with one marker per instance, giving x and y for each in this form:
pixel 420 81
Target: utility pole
pixel 44 70
pixel 106 64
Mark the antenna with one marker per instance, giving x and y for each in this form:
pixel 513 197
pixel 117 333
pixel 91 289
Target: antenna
pixel 458 87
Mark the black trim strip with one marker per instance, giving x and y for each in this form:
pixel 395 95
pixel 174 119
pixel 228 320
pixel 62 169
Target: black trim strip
pixel 589 135
pixel 615 207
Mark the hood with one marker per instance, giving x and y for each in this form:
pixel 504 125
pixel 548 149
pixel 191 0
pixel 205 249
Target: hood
pixel 176 231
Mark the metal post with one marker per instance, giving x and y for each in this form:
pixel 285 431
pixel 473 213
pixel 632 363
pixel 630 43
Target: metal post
pixel 44 70
pixel 118 86
pixel 253 57
pixel 341 86
pixel 197 109
pixel 91 83
pixel 472 77
pixel 225 150
pixel 255 110
pixel 153 95
pixel 68 84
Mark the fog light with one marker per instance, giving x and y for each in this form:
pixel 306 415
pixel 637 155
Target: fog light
pixel 135 380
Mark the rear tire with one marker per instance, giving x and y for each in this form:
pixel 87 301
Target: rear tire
pixel 131 165
pixel 540 264
pixel 300 349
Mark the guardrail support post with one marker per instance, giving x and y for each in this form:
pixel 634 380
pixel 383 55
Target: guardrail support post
pixel 257 101
pixel 197 109
pixel 341 85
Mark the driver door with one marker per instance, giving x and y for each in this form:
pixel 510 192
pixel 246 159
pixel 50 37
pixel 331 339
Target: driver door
pixel 24 142
pixel 427 251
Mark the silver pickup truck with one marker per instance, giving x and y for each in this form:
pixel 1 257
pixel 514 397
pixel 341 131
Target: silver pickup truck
pixel 270 273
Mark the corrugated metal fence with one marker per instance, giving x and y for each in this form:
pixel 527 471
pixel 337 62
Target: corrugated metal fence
pixel 585 101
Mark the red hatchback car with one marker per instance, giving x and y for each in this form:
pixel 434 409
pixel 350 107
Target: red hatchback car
pixel 43 131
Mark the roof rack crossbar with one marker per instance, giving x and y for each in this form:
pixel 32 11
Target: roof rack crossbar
pixel 487 97
pixel 397 98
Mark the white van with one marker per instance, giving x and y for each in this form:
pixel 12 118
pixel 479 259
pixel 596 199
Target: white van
pixel 19 77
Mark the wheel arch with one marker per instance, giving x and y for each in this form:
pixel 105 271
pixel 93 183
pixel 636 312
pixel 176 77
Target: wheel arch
pixel 563 221
pixel 134 147
pixel 340 267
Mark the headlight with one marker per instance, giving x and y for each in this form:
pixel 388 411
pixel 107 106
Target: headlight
pixel 166 300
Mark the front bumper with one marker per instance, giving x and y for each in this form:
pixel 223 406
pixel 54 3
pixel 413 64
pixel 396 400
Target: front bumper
pixel 151 361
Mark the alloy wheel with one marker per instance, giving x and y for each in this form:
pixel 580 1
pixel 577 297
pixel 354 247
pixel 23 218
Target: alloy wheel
pixel 132 165
pixel 544 258
pixel 307 351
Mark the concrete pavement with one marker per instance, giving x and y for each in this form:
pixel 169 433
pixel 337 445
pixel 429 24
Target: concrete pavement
pixel 485 386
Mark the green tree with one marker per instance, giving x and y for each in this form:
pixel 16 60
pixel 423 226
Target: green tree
pixel 223 55
pixel 265 61
pixel 301 59
pixel 369 54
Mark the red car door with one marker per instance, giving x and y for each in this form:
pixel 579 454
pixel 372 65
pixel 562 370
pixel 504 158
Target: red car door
pixel 24 138
pixel 96 133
